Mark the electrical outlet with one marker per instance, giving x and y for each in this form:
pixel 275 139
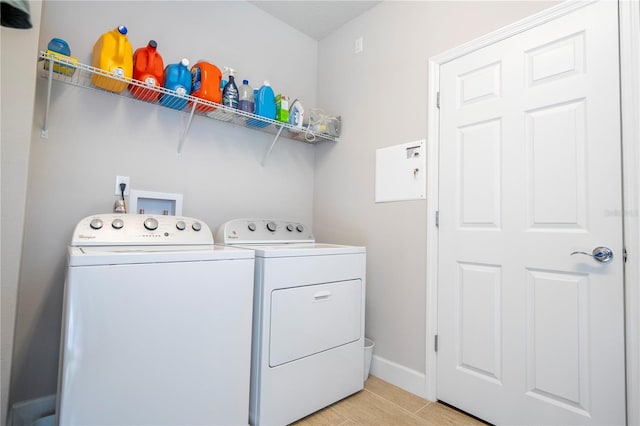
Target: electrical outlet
pixel 359 45
pixel 125 180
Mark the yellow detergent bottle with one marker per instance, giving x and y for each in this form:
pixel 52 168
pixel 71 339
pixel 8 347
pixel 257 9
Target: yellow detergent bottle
pixel 113 54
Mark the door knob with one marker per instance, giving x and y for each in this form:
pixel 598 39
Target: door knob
pixel 601 254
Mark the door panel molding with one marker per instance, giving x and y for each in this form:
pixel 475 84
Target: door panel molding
pixel 629 18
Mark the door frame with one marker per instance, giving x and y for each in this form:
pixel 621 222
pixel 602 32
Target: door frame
pixel 629 31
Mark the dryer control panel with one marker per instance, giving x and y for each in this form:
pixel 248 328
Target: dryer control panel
pixel 139 230
pixel 263 231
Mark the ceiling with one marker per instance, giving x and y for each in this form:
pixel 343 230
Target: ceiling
pixel 317 19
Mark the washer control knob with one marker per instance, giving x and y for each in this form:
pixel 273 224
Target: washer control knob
pixel 181 225
pixel 290 227
pixel 151 224
pixel 96 224
pixel 196 226
pixel 300 228
pixel 117 223
pixel 252 227
pixel 271 226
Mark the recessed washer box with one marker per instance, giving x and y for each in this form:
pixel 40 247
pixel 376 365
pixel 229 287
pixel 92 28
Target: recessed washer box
pixel 149 202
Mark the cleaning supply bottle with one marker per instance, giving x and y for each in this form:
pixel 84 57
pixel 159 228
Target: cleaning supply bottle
pixel 230 94
pixel 225 78
pixel 282 108
pixel 266 101
pixel 205 84
pixel 246 102
pixel 148 68
pixel 113 54
pixel 177 77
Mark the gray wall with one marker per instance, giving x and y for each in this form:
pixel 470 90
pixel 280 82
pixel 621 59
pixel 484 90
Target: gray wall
pixel 382 95
pixel 95 136
pixel 17 49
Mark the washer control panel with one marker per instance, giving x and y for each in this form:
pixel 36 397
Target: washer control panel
pixel 140 229
pixel 263 231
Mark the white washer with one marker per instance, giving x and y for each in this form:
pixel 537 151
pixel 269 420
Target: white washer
pixel 308 319
pixel 156 325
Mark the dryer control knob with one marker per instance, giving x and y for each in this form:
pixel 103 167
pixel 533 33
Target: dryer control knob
pixel 290 227
pixel 151 224
pixel 181 225
pixel 271 226
pixel 96 224
pixel 117 223
pixel 196 226
pixel 300 228
pixel 252 227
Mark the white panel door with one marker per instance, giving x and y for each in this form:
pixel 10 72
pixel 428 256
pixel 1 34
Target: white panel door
pixel 529 173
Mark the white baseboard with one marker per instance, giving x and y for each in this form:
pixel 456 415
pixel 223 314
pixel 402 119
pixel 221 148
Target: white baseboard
pixel 399 375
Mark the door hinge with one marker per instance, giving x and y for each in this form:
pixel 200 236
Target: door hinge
pixel 437 218
pixel 624 255
pixel 435 343
pixel 438 100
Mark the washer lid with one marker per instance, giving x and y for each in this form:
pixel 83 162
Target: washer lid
pixel 120 255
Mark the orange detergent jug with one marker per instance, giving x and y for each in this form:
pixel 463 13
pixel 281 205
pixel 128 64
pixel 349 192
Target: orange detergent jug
pixel 205 84
pixel 148 69
pixel 113 54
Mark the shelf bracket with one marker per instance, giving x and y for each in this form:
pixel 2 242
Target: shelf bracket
pixel 273 143
pixel 45 125
pixel 186 129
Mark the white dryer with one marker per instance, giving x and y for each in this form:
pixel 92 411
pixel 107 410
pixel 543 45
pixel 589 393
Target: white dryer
pixel 308 319
pixel 156 327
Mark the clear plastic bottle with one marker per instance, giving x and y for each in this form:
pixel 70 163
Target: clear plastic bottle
pixel 247 102
pixel 230 94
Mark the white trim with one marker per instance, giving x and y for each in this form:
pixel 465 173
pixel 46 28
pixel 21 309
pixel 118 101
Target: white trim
pixel 433 123
pixel 630 110
pixel 629 11
pixel 398 375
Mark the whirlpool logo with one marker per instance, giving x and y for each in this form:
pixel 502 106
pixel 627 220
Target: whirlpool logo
pixel 86 237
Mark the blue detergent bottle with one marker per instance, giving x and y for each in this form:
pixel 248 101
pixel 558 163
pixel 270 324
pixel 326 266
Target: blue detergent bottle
pixel 265 102
pixel 177 77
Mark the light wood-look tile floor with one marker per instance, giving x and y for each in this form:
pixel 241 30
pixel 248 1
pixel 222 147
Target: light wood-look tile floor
pixel 381 403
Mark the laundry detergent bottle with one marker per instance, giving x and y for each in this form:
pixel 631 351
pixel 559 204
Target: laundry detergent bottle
pixel 265 104
pixel 177 77
pixel 205 84
pixel 147 68
pixel 113 54
pixel 266 101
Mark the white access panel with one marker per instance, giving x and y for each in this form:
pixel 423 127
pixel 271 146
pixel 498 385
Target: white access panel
pixel 311 319
pixel 401 172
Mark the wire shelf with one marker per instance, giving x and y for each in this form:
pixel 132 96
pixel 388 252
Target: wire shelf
pixel 85 76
